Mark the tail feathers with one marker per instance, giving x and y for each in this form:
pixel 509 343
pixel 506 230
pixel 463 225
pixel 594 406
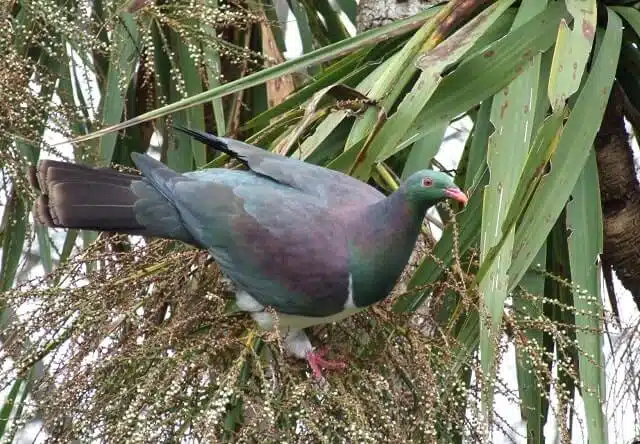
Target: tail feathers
pixel 78 196
pixel 52 171
pixel 215 142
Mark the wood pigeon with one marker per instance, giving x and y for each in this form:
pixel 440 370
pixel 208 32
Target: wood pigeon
pixel 313 244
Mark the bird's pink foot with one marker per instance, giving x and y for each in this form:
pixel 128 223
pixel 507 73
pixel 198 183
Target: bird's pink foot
pixel 317 362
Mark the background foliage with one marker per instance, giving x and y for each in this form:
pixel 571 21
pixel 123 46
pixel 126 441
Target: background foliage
pixel 128 339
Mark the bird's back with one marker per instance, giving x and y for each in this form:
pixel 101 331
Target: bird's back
pixel 283 246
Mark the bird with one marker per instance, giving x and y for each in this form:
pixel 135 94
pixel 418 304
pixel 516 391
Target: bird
pixel 309 243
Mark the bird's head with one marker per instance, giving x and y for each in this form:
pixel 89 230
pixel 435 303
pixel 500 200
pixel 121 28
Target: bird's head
pixel 429 186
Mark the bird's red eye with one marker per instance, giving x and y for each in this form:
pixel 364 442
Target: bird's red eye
pixel 427 182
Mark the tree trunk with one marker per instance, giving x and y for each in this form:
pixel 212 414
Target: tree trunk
pixel 374 13
pixel 620 194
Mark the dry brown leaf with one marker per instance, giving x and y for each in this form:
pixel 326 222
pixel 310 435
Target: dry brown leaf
pixel 278 89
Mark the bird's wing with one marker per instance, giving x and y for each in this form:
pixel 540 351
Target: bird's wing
pixel 332 187
pixel 280 245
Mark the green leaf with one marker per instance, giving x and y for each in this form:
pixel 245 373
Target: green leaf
pixel 14 221
pixel 572 51
pixel 584 224
pixel 44 247
pixel 367 125
pixel 69 243
pixel 512 116
pixel 66 93
pixel 423 152
pixel 572 152
pixel 340 71
pixel 124 57
pixel 499 64
pixel 306 36
pixel 388 86
pixel 355 140
pixel 214 69
pixel 496 31
pixel 316 108
pixel 432 64
pixel 630 15
pixel 177 149
pixel 323 130
pixel 336 31
pixel 349 7
pixel 467 339
pixel 538 158
pixel 194 116
pixel 476 167
pixel 557 310
pixel 331 122
pixel 528 306
pixel 542 148
pixel 9 405
pixel 468 221
pixel 318 56
pixel 36 370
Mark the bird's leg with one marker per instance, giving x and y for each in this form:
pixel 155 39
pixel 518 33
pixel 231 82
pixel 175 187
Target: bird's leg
pixel 297 344
pixel 317 362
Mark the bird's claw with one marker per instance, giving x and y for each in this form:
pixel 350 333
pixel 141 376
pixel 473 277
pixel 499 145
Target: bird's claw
pixel 317 363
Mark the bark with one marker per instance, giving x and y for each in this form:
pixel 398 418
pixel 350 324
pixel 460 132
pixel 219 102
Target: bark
pixel 620 194
pixel 374 13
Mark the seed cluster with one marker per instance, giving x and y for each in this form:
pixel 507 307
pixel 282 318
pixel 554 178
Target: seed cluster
pixel 139 345
pixel 59 64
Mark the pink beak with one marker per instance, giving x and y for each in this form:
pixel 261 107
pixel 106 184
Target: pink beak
pixel 457 194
